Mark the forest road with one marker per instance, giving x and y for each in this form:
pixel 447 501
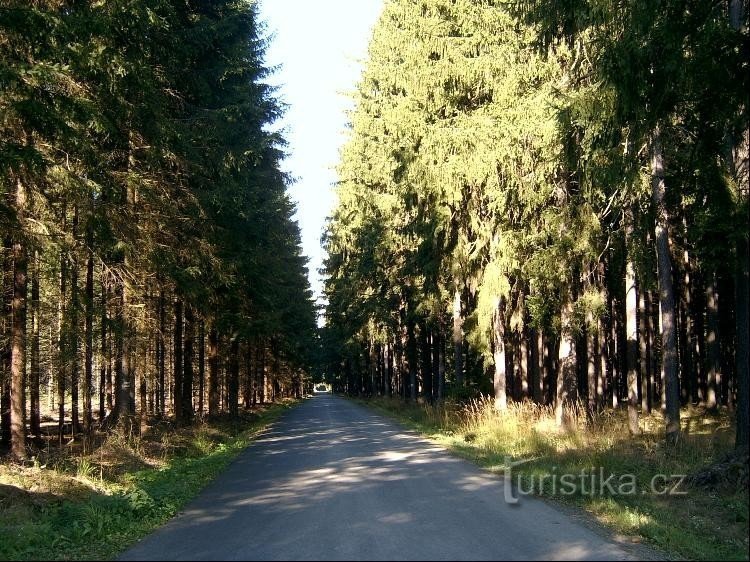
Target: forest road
pixel 331 480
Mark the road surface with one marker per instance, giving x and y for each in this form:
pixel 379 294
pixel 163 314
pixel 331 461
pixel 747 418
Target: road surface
pixel 332 480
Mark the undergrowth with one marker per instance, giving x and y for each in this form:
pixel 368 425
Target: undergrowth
pixel 93 506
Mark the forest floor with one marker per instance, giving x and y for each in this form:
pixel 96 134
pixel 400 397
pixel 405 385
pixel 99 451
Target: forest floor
pixel 79 501
pixel 706 518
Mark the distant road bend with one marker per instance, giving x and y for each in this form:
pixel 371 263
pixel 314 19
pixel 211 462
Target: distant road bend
pixel 333 481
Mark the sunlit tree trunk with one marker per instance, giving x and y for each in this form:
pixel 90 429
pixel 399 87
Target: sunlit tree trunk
pixel 631 330
pixel 523 350
pixel 18 336
pixel 689 377
pixel 565 395
pixel 592 364
pixel 458 339
pixel 498 354
pixel 35 422
pixel 62 345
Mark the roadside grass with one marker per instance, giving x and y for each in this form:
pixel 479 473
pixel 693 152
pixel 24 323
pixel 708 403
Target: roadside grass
pixel 702 522
pixel 93 506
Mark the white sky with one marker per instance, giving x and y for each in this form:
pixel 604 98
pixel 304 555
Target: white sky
pixel 319 45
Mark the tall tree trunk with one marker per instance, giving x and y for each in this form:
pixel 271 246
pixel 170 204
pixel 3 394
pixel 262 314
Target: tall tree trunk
pixel 441 371
pixel 142 380
pixel 104 358
pixel 643 351
pixel 523 348
pixel 666 294
pixel 740 162
pixel 130 345
pixel 458 339
pixel 262 367
pixel 201 365
pixel 6 298
pixel 36 420
pixel 88 375
pixel 411 351
pixel 631 329
pixel 613 352
pixel 178 366
pixel 713 339
pixel 121 414
pixel 604 364
pixel 18 337
pixel 435 345
pixel 690 379
pixel 213 372
pixel 592 364
pixel 567 369
pixel 62 345
pixel 247 386
pixel 498 354
pixel 742 355
pixel 75 373
pixel 426 353
pixel 162 338
pixel 187 374
pixel 550 373
pixel 534 370
pixel 387 369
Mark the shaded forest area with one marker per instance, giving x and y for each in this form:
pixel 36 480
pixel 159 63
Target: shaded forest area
pixel 151 266
pixel 547 202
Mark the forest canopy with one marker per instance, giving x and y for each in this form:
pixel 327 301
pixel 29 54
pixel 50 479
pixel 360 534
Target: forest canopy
pixel 547 201
pixel 142 211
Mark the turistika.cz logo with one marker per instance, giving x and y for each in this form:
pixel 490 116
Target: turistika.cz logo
pixel 593 481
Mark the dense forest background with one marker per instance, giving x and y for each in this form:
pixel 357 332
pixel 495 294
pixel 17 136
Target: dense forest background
pixel 150 262
pixel 547 201
pixel 538 259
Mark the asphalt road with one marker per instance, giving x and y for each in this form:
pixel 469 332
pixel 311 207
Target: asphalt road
pixel 332 480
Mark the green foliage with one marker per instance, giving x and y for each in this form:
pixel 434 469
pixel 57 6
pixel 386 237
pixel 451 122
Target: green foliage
pixel 500 151
pixel 141 132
